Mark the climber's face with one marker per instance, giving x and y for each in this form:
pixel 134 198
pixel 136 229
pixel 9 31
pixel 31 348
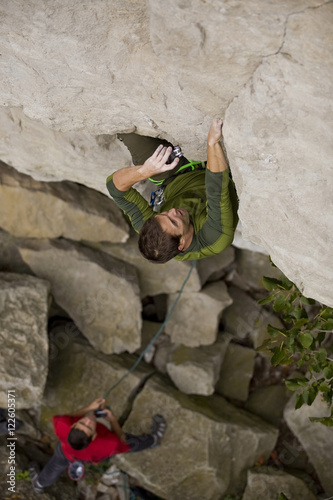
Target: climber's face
pixel 175 221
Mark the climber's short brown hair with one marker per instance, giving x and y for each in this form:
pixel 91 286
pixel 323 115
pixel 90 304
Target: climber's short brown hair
pixel 157 245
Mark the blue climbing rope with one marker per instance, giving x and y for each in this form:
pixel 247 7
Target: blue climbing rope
pixel 156 335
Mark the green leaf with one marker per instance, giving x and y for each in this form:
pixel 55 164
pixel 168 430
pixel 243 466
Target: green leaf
pixel 305 300
pixel 268 299
pixel 327 313
pixel 282 496
pixel 279 354
pixel 309 395
pixel 305 339
pixel 321 355
pixel 299 312
pixel 328 421
pixel 274 331
pixel 287 284
pixel 324 387
pixel 327 325
pixel 320 337
pixel 271 283
pixel 295 383
pixel 299 401
pixel 279 303
pixel 300 322
pixel 266 345
pixel 328 371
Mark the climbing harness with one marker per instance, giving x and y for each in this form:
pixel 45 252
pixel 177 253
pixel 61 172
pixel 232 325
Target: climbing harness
pixel 157 197
pixel 156 335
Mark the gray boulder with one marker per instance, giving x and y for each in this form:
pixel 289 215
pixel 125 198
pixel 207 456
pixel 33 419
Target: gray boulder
pixel 24 302
pixel 207 448
pixel 269 403
pixel 245 318
pixel 195 319
pixel 236 372
pixel 266 483
pixel 195 370
pixel 316 438
pixel 99 292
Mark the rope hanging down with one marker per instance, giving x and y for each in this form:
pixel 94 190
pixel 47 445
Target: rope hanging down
pixel 156 335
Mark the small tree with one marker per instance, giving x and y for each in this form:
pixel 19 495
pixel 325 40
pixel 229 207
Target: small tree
pixel 303 340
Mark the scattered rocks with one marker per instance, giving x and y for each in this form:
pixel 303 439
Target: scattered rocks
pixel 24 302
pixel 202 455
pixel 94 288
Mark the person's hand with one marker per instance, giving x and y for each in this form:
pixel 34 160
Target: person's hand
pixel 157 163
pixel 96 404
pixel 215 132
pixel 109 415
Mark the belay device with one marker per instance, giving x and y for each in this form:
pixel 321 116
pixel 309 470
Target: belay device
pixel 157 197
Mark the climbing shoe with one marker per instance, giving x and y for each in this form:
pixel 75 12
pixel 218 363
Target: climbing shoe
pixel 158 429
pixel 33 472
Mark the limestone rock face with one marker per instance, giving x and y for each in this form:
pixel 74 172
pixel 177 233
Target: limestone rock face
pixel 99 293
pixel 78 373
pixel 267 483
pixel 288 99
pixel 196 370
pixel 72 78
pixel 210 460
pixel 24 342
pixel 185 326
pixel 49 210
pixel 316 439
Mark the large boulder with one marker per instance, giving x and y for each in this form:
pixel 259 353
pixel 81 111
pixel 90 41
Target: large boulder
pixel 266 483
pixel 236 372
pixel 283 188
pixel 99 292
pixel 207 447
pixel 195 370
pixel 185 325
pixel 24 302
pixel 315 438
pixel 36 209
pixel 78 374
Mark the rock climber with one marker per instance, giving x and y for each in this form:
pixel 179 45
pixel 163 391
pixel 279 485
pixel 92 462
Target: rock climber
pixel 197 211
pixel 84 440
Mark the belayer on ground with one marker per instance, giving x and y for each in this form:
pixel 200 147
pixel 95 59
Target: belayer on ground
pixel 196 203
pixel 84 440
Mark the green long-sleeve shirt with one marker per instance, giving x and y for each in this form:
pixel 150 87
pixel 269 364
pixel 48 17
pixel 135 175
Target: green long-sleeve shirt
pixel 210 199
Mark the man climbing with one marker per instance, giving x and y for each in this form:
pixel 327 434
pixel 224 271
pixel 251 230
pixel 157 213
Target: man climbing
pixel 198 217
pixel 83 439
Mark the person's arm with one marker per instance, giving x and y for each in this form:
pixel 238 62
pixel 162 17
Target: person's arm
pixel 115 425
pixel 94 405
pixel 216 161
pixel 125 178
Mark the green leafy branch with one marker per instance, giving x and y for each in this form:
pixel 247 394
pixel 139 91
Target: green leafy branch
pixel 302 341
